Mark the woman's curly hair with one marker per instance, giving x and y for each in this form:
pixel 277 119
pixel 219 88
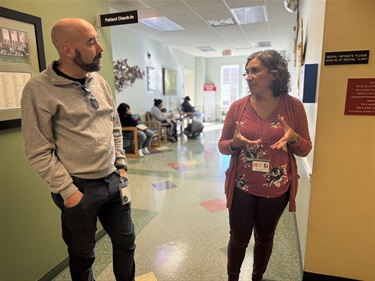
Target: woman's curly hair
pixel 278 66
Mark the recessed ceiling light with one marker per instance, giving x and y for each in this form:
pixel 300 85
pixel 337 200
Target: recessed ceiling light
pixel 221 22
pixel 206 48
pixel 247 15
pixel 161 24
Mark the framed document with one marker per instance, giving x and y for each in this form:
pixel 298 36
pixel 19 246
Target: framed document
pixel 151 80
pixel 21 57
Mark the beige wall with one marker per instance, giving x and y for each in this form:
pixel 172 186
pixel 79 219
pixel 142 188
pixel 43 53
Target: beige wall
pixel 340 239
pixel 30 230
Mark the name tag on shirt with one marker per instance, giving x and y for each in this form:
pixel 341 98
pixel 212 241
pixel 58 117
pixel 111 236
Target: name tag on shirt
pixel 262 166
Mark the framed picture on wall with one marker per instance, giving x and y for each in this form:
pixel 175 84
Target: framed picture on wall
pixel 151 80
pixel 21 57
pixel 169 82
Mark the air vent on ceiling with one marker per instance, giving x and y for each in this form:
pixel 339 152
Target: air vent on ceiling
pixel 206 48
pixel 260 44
pixel 221 22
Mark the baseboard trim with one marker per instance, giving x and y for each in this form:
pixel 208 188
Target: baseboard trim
pixel 308 276
pixel 61 266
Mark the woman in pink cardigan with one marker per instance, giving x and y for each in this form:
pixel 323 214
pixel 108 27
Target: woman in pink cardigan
pixel 262 132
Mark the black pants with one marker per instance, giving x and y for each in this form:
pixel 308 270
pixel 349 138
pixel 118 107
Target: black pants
pixel 172 128
pixel 101 199
pixel 250 212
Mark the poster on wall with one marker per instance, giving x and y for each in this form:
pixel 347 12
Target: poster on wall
pixel 169 82
pixel 21 57
pixel 209 102
pixel 360 97
pixel 151 79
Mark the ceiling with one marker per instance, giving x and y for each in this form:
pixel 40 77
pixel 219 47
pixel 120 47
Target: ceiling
pixel 193 16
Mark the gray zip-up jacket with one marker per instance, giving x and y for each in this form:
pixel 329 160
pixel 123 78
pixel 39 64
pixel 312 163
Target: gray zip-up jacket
pixel 65 135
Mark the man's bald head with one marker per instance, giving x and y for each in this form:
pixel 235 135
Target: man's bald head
pixel 68 30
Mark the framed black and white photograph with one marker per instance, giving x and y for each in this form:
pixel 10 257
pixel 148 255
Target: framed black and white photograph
pixel 21 57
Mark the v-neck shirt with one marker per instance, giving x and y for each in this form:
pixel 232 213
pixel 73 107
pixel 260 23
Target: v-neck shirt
pixel 274 181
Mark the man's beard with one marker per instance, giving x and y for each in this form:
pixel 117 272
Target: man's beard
pixel 90 67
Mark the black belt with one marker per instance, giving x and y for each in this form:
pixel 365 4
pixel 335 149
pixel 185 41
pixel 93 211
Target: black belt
pixel 80 180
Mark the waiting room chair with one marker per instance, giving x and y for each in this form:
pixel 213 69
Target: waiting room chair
pixel 133 142
pixel 184 118
pixel 154 126
pixel 162 129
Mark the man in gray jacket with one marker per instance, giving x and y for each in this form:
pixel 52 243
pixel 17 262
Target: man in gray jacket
pixel 73 141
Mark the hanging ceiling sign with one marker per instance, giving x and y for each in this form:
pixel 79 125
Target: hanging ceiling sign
pixel 117 18
pixel 348 57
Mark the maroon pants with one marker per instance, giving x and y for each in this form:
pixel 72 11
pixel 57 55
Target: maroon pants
pixel 250 212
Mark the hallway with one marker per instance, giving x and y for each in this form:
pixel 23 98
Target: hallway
pixel 181 221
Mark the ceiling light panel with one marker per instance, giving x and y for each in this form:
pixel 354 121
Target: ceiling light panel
pixel 161 24
pixel 248 15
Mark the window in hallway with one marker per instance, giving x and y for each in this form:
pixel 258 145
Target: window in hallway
pixel 229 84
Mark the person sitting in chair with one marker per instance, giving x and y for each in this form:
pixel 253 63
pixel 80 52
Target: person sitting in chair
pixel 127 119
pixel 166 119
pixel 187 107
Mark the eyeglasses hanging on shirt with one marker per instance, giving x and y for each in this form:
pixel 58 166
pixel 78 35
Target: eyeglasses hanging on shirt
pixel 89 97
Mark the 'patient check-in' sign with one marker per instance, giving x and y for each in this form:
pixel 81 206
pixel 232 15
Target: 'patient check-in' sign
pixel 117 18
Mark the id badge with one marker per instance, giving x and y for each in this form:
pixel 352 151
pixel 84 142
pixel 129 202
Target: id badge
pixel 262 166
pixel 125 192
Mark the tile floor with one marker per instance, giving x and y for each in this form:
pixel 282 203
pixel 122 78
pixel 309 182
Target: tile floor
pixel 181 222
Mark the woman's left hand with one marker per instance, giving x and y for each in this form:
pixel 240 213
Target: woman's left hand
pixel 289 135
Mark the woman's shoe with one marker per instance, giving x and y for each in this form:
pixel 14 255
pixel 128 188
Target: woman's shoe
pixel 145 150
pixel 171 139
pixel 140 153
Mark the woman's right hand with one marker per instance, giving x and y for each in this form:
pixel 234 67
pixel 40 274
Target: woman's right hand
pixel 239 140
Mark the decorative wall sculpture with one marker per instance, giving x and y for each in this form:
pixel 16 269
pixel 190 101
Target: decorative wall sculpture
pixel 126 75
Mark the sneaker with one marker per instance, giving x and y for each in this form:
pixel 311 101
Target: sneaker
pixel 140 153
pixel 145 150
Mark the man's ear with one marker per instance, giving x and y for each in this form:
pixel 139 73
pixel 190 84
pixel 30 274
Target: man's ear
pixel 67 50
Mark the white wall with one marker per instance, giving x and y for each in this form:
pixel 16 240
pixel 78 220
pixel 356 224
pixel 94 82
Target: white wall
pixel 134 48
pixel 312 13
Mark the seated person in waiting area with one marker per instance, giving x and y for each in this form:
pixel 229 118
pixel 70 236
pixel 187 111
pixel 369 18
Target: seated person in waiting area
pixel 129 120
pixel 187 107
pixel 166 119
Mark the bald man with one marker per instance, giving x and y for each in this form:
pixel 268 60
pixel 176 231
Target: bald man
pixel 73 140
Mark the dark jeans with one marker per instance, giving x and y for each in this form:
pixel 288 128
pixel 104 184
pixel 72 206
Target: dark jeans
pixel 250 212
pixel 101 200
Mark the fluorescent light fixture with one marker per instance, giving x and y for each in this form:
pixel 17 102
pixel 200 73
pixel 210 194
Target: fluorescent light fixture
pixel 161 24
pixel 221 22
pixel 247 15
pixel 206 48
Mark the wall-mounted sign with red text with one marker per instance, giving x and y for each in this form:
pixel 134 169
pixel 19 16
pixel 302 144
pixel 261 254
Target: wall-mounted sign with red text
pixel 360 97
